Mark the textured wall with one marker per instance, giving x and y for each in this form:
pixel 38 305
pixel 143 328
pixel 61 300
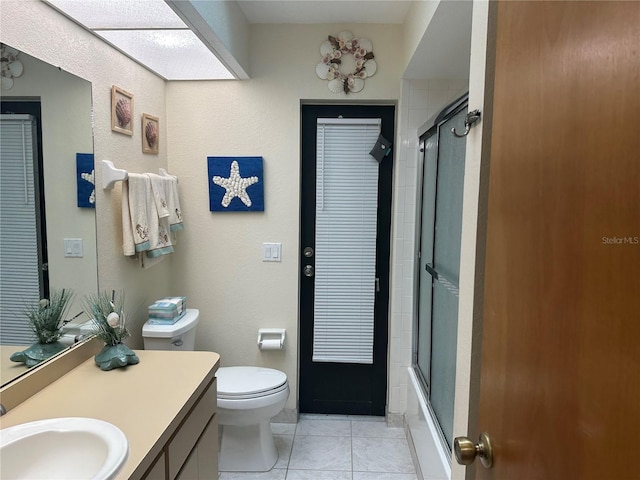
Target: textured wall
pixel 36 29
pixel 220 262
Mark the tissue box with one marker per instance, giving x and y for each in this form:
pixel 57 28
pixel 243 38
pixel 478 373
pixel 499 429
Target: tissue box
pixel 167 310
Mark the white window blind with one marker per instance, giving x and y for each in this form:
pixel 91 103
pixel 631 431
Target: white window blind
pixel 19 266
pixel 346 218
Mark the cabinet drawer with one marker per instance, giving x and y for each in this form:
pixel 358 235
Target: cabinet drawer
pixel 180 446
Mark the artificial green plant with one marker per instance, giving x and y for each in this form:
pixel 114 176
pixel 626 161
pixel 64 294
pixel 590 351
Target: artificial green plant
pixel 47 317
pixel 107 311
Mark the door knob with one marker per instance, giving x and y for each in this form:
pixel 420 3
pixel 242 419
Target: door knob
pixel 466 451
pixel 308 270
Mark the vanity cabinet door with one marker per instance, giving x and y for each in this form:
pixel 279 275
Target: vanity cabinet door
pixel 158 470
pixel 183 442
pixel 202 464
pixel 190 468
pixel 208 451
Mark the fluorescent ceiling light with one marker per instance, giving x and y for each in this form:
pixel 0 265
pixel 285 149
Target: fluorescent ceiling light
pixel 149 32
pixel 173 54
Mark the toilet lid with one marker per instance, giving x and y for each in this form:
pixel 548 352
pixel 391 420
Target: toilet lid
pixel 242 381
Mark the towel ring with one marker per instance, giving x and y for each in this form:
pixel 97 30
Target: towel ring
pixel 469 120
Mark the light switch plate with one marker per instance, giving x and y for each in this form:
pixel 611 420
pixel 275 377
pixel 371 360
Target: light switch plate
pixel 271 252
pixel 73 247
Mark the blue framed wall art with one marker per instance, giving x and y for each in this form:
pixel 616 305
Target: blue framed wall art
pixel 85 180
pixel 236 184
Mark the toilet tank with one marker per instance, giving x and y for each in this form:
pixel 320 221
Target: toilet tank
pixel 179 336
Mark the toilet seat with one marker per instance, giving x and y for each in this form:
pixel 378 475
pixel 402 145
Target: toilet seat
pixel 249 382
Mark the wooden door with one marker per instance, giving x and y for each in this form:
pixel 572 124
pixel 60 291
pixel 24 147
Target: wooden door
pixel 560 369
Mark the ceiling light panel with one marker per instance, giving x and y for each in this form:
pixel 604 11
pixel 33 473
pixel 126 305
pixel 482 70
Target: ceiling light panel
pixel 120 13
pixel 172 54
pixel 149 32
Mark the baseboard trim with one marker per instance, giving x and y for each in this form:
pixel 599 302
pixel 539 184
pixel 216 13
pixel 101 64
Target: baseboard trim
pixel 288 415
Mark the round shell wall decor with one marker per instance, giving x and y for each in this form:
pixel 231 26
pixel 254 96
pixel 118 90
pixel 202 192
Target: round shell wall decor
pixel 346 62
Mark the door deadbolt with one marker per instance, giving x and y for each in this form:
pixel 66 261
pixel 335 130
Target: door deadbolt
pixel 466 451
pixel 308 252
pixel 308 271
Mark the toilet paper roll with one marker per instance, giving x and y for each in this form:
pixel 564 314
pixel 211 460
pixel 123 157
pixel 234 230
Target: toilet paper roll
pixel 67 339
pixel 271 345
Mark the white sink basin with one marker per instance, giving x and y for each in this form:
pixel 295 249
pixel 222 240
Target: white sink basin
pixel 62 448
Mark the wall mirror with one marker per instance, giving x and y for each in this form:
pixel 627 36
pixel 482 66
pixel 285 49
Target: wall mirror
pixel 50 166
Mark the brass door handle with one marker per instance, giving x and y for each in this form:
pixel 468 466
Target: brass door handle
pixel 466 451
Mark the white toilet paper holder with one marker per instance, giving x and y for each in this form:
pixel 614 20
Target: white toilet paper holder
pixel 271 338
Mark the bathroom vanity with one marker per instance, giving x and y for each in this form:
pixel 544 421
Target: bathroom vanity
pixel 165 405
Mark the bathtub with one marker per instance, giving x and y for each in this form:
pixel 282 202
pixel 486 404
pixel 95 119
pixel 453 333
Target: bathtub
pixel 434 460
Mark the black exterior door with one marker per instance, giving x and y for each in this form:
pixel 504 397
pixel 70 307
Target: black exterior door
pixel 343 388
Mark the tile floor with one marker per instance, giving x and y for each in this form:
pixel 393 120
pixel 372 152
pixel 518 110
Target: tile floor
pixel 334 447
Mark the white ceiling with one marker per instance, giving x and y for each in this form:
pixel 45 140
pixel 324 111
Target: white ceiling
pixel 445 49
pixel 325 11
pixel 442 53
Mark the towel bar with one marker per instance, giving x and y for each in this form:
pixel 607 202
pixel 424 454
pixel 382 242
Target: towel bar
pixel 111 174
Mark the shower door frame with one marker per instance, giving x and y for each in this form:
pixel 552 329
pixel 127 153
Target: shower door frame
pixel 434 130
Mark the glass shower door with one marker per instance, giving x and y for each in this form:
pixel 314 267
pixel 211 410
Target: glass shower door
pixel 440 266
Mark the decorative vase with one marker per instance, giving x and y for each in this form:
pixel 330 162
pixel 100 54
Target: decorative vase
pixel 115 356
pixel 37 353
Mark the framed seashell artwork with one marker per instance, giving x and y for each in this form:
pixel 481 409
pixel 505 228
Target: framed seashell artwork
pixel 85 180
pixel 150 133
pixel 236 184
pixel 121 111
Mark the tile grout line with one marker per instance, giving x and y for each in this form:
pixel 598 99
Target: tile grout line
pixel 352 452
pixel 295 433
pixel 286 467
pixel 352 426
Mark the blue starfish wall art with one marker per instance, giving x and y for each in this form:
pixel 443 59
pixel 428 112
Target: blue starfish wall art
pixel 236 184
pixel 85 180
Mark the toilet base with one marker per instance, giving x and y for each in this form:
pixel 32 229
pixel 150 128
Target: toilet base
pixel 249 448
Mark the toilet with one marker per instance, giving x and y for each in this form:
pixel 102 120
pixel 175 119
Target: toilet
pixel 179 336
pixel 248 397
